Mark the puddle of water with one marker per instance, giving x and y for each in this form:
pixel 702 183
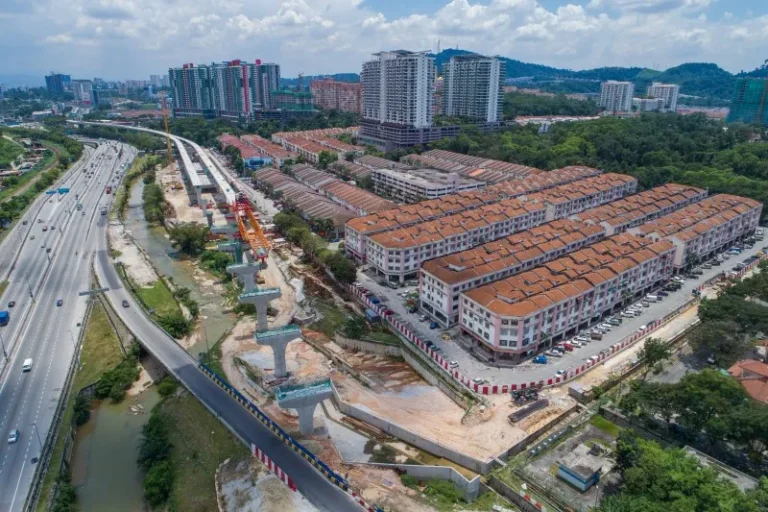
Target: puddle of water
pixel 154 240
pixel 104 466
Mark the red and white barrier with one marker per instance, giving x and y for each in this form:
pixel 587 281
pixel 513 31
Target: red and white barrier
pixel 273 467
pixel 487 389
pixel 360 501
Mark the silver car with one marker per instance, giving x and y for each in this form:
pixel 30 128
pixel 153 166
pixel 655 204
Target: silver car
pixel 13 436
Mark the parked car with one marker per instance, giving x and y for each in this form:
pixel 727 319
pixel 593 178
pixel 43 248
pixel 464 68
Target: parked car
pixel 576 343
pixel 453 365
pixel 614 322
pixel 560 373
pixel 478 380
pixel 662 293
pixel 540 359
pixel 553 353
pixel 422 318
pixel 583 339
pixel 642 328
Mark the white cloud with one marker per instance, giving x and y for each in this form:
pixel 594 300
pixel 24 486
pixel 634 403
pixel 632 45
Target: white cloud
pixel 133 38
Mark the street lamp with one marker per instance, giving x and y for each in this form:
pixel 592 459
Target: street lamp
pixel 74 346
pixel 38 438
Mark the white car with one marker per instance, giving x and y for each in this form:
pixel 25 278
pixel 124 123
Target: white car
pixel 560 373
pixel 642 328
pixel 478 380
pixel 453 364
pixel 13 436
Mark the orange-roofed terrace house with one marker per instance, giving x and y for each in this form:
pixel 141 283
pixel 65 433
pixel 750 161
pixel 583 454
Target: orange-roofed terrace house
pixel 702 230
pixel 514 319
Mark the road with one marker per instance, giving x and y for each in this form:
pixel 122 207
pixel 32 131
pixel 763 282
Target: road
pixel 40 329
pixel 527 371
pixel 315 487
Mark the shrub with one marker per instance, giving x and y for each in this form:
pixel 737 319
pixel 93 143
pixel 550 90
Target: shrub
pixel 82 410
pixel 158 483
pixel 167 386
pixel 114 382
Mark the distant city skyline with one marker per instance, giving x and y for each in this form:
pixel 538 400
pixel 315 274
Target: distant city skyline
pixel 87 38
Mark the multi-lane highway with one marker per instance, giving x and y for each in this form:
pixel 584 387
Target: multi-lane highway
pixel 53 264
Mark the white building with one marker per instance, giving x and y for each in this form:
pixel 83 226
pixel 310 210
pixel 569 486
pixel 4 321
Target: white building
pixel 473 87
pixel 83 90
pixel 419 184
pixel 398 88
pixel 616 96
pixel 648 104
pixel 668 92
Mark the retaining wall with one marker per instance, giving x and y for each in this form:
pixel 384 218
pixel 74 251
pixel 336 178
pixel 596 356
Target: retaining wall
pixel 370 347
pixel 524 501
pixel 470 489
pixel 406 435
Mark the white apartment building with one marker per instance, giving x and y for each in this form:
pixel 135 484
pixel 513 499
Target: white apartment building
pixel 420 184
pixel 648 104
pixel 667 92
pixel 83 91
pixel 616 96
pixel 473 87
pixel 398 88
pixel 514 318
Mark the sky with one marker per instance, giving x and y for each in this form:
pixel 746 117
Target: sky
pixel 131 39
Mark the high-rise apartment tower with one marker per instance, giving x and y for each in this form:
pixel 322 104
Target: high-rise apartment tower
pixel 472 87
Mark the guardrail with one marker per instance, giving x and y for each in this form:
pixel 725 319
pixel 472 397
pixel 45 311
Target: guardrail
pixel 285 437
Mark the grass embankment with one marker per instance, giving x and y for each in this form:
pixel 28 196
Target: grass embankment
pixel 200 444
pixel 9 151
pixel 139 167
pixel 445 496
pixel 159 298
pixel 101 352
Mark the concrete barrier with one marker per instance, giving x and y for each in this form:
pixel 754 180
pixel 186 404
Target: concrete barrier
pixel 470 489
pixel 406 435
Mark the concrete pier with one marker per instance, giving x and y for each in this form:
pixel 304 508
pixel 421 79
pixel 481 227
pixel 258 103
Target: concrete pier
pixel 304 399
pixel 278 339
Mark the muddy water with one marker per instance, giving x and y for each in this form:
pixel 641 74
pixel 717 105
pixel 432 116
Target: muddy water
pixel 154 241
pixel 104 466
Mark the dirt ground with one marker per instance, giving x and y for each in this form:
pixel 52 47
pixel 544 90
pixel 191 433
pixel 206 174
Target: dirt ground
pixel 140 271
pixel 383 487
pixel 175 193
pixel 248 486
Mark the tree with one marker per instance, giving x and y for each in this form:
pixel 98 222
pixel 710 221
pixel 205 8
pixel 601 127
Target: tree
pixel 652 355
pixel 175 324
pixel 189 237
pixel 655 479
pixel 342 268
pixel 326 158
pixel 724 341
pixel 158 483
pixel 354 327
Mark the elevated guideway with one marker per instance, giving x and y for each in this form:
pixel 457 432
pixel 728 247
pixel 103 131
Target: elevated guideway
pixel 201 175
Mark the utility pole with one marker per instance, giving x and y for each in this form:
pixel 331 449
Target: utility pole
pixel 74 345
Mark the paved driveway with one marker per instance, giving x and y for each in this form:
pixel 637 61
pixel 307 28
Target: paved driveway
pixel 528 371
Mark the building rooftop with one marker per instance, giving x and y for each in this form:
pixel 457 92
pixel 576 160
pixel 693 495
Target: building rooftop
pixel 690 221
pixel 429 178
pixel 453 203
pixel 571 275
pixel 246 151
pixel 311 176
pixel 357 197
pixel 452 225
pixel 481 162
pixel 376 162
pixel 753 376
pixel 268 147
pixel 324 132
pixel 510 251
pixel 642 205
pixel 356 171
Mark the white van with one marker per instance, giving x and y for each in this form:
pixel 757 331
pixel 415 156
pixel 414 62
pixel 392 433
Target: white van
pixel 652 298
pixel 27 367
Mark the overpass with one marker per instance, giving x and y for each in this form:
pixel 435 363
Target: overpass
pixel 200 175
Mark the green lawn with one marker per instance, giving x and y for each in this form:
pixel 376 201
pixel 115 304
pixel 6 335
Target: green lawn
pixel 384 336
pixel 158 297
pixel 9 150
pixel 605 425
pixel 101 351
pixel 200 444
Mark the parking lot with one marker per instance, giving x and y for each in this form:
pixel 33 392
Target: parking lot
pixel 475 368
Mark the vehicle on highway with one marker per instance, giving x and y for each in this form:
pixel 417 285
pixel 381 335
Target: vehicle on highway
pixel 48 250
pixel 108 190
pixel 59 303
pixel 5 317
pixel 125 303
pixel 45 228
pixel 32 237
pixel 53 228
pixel 24 223
pixel 13 436
pixel 12 303
pixel 103 210
pixel 39 221
pixel 27 366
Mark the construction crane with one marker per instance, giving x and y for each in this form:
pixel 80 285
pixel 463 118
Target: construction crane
pixel 300 81
pixel 249 227
pixel 169 159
